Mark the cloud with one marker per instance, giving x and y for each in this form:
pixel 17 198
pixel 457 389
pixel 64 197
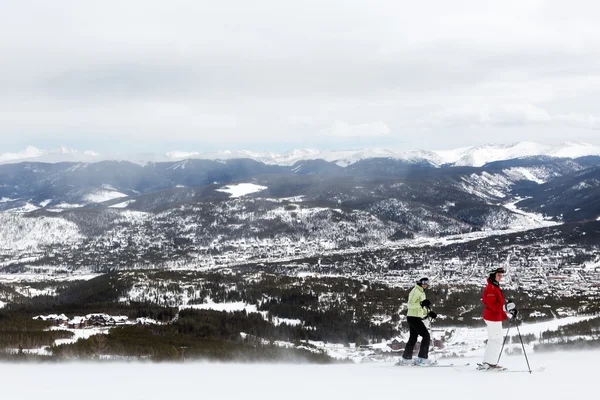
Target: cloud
pixel 507 115
pixel 235 71
pixel 579 120
pixel 344 129
pixel 143 119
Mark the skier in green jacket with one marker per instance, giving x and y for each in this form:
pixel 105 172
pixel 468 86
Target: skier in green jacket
pixel 418 310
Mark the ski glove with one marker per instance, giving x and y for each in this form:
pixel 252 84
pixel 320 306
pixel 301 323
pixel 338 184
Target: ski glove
pixel 509 306
pixel 432 314
pixel 425 303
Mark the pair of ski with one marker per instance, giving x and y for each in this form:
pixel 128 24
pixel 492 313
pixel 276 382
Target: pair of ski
pixel 434 365
pixel 458 366
pixel 483 368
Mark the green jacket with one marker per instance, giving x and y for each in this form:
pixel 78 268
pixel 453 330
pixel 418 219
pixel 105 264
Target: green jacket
pixel 415 297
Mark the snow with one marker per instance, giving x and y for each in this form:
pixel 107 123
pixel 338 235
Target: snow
pixel 52 317
pixel 32 292
pixel 28 207
pixel 18 232
pixel 60 276
pixel 84 333
pixel 467 156
pixel 470 341
pixel 574 150
pixel 523 174
pixel 147 321
pixel 453 155
pixel 535 220
pixel 552 325
pixel 132 217
pixel 480 155
pixel 240 306
pixel 123 204
pixel 182 154
pixel 29 152
pixel 60 154
pixel 294 199
pixel 64 206
pixel 586 184
pixel 301 381
pixel 241 189
pixel 287 321
pixel 422 241
pixel 103 195
pixel 486 185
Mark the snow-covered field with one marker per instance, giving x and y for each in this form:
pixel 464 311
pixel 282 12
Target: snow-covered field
pixel 565 374
pixel 57 277
pixel 241 189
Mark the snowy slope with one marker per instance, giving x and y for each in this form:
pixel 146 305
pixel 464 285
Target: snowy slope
pixel 301 382
pixel 481 155
pixel 19 232
pixel 574 150
pixel 241 189
pixel 103 195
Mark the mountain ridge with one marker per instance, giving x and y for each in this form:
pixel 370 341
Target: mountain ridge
pixel 473 156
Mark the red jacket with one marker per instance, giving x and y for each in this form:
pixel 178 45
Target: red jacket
pixel 493 299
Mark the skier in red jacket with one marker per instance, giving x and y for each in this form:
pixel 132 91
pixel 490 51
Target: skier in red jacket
pixel 496 310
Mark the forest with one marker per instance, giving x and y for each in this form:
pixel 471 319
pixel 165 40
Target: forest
pixel 290 312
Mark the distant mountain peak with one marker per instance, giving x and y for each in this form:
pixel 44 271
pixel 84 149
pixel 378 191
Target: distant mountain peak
pixel 478 156
pixel 473 156
pixel 62 153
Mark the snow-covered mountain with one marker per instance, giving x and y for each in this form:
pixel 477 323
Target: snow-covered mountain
pixel 475 156
pixel 480 155
pixel 62 154
pixel 343 158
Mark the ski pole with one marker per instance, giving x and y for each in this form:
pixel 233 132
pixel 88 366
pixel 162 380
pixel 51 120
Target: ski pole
pixel 504 342
pixel 523 346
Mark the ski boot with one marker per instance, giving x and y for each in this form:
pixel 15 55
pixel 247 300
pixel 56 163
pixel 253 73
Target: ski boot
pixel 489 367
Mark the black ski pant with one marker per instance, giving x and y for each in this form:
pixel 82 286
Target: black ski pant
pixel 417 328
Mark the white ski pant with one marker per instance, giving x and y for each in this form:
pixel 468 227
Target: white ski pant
pixel 494 343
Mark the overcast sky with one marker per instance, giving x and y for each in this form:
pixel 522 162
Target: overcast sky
pixel 145 75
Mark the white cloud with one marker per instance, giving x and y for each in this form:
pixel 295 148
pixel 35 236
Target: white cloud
pixel 144 119
pixel 579 120
pixel 510 115
pixel 344 129
pixel 234 71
